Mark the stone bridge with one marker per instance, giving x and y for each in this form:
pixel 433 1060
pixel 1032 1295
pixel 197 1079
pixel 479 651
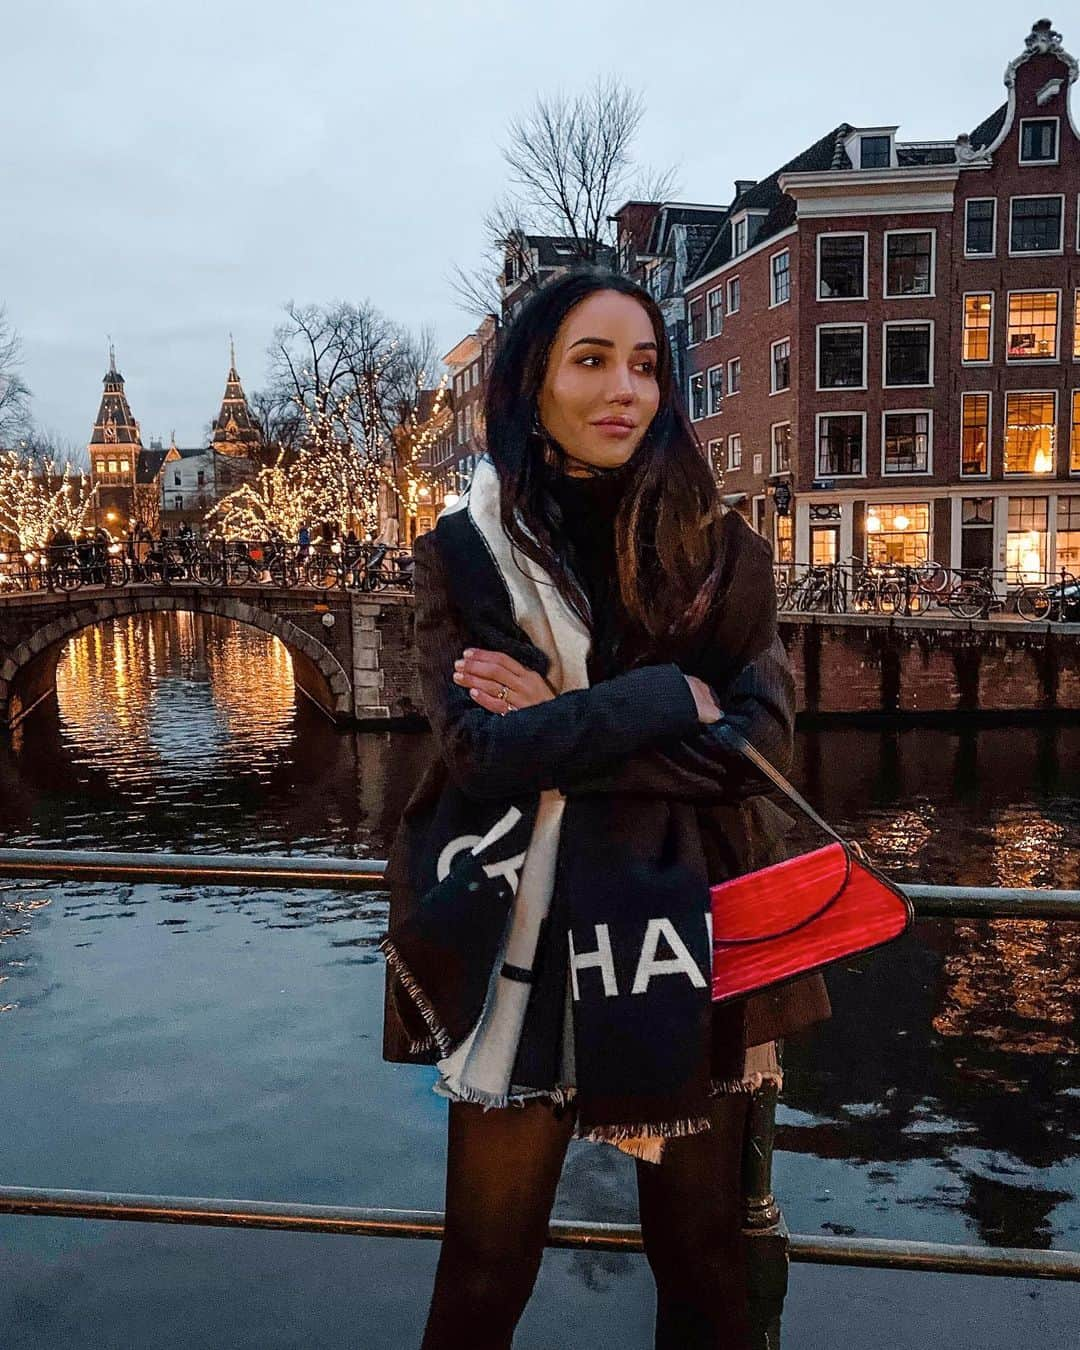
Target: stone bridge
pixel 332 637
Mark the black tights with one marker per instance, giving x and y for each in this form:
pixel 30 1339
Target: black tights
pixel 502 1170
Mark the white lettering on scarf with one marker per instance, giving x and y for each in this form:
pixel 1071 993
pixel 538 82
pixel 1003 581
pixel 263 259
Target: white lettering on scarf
pixel 601 957
pixel 477 843
pixel 649 965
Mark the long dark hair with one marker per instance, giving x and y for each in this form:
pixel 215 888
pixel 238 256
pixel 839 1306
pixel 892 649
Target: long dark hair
pixel 669 544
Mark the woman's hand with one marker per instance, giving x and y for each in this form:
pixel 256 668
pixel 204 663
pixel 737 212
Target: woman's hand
pixel 484 673
pixel 708 712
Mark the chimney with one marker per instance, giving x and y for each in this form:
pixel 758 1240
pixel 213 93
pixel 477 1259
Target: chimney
pixel 744 185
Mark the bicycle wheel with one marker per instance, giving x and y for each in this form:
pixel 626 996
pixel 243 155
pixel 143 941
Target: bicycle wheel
pixel 320 573
pixel 890 597
pixel 970 600
pixel 237 570
pixel 933 579
pixel 1034 603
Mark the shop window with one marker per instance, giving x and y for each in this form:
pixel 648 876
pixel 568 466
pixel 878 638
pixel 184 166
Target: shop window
pixel 1033 326
pixel 1030 432
pixel 1036 225
pixel 841 445
pixel 975 449
pixel 908 354
pixel 1025 542
pixel 1068 535
pixel 907 442
pixel 842 357
pixel 898 533
pixel 842 267
pixel 785 539
pixel 978 326
pixel 909 263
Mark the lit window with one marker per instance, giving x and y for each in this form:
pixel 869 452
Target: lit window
pixel 1068 535
pixel 1036 225
pixel 875 152
pixel 979 227
pixel 781 447
pixel 734 375
pixel 125 465
pixel 908 357
pixel 734 295
pixel 1033 323
pixel 907 442
pixel 841 267
pixel 1025 542
pixel 975 449
pixel 101 466
pixel 112 466
pixel 1074 437
pixel 1030 432
pixel 695 320
pixel 978 319
pixel 785 542
pixel 898 532
pixel 1076 326
pixel 840 444
pixel 716 389
pixel 716 456
pixel 781 278
pixel 781 365
pixel 697 396
pixel 1039 140
pixel 734 452
pixel 715 304
pixel 841 358
pixel 909 263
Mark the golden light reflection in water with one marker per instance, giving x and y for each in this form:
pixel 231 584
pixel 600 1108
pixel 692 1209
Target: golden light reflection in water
pixel 151 695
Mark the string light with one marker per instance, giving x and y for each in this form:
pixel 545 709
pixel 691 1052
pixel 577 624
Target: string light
pixel 38 501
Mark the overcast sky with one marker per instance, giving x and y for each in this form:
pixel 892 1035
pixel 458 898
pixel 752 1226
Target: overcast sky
pixel 170 172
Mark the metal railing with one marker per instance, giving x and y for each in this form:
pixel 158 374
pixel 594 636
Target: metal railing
pixel 772 1246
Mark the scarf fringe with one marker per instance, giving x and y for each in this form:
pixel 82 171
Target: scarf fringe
pixel 464 1092
pixel 649 1130
pixel 439 1035
pixel 753 1082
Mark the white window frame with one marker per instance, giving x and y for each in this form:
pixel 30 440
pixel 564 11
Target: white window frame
pixel 909 473
pixel 1028 477
pixel 733 281
pixel 846 388
pixel 696 300
pixel 864 235
pixel 734 436
pixel 696 375
pixel 1037 163
pixel 772 445
pixel 1074 393
pixel 1033 360
pixel 931 294
pixel 977 477
pixel 772 366
pixel 1042 253
pixel 773 302
pixel 993 228
pixel 963 315
pixel 838 412
pixel 710 332
pixel 713 455
pixel 907 323
pixel 709 410
pixel 740 224
pixel 734 361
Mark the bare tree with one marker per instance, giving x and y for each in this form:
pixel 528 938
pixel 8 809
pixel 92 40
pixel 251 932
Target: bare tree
pixel 14 394
pixel 571 163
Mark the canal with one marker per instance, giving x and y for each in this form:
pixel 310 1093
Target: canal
pixel 226 1042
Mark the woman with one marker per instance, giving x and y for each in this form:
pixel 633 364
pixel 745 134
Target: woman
pixel 589 620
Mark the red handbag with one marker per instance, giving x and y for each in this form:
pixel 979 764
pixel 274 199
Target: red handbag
pixel 799 915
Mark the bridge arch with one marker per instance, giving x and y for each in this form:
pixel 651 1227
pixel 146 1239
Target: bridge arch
pixel 28 674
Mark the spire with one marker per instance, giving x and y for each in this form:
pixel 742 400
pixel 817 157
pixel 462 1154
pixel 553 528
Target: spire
pixel 115 426
pixel 235 431
pixel 112 357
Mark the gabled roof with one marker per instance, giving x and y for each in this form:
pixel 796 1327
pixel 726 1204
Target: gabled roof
pixel 987 132
pixel 148 465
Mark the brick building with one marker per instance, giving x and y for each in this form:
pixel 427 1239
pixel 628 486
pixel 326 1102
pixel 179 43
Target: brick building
pixel 883 339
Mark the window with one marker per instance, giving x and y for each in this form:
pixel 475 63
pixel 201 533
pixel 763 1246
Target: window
pixel 716 389
pixel 125 465
pixel 178 503
pixel 908 354
pixel 1076 326
pixel 906 439
pixel 978 327
pixel 1074 436
pixel 695 321
pixel 738 236
pixel 875 152
pixel 909 263
pixel 1039 140
pixel 781 447
pixel 842 356
pixel 461 427
pixel 842 267
pixel 781 278
pixel 1025 542
pixel 975 435
pixel 101 466
pixel 758 469
pixel 1068 535
pixel 980 227
pixel 201 476
pixel 697 396
pixel 715 305
pixel 177 480
pixel 898 532
pixel 113 468
pixel 734 295
pixel 734 375
pixel 716 456
pixel 1033 326
pixel 734 452
pixel 785 541
pixel 1036 225
pixel 841 438
pixel 781 365
pixel 1030 432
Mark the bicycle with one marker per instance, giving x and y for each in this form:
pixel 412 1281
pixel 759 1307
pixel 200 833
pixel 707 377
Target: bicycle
pixel 973 596
pixel 1038 603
